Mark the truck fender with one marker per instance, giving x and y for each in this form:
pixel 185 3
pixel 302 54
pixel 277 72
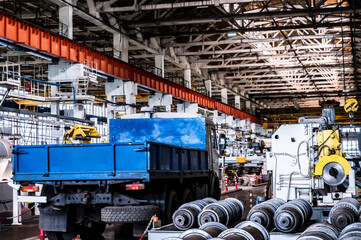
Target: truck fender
pixel 53 219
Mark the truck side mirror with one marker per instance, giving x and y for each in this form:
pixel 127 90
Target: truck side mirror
pixel 222 141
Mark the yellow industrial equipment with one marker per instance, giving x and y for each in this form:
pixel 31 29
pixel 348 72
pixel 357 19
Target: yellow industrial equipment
pixel 81 133
pixel 329 142
pixel 332 166
pixel 351 105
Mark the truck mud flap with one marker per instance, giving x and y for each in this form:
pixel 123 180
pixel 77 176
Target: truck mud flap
pixel 52 219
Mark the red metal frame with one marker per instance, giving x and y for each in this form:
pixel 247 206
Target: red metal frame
pixel 19 32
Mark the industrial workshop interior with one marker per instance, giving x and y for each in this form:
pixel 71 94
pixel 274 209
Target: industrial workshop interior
pixel 180 119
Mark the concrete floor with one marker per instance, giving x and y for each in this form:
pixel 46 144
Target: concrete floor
pixel 29 230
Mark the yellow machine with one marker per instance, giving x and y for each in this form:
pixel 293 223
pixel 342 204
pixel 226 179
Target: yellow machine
pixel 351 106
pixel 332 166
pixel 84 134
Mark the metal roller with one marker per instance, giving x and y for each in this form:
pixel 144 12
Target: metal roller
pixel 209 200
pixel 344 213
pixel 292 215
pixel 213 228
pixel 231 208
pixel 306 207
pixel 186 216
pixel 236 233
pixel 214 212
pixel 263 213
pixel 239 206
pixel 351 232
pixel 199 203
pixel 320 231
pixel 333 174
pixel 255 229
pixel 195 234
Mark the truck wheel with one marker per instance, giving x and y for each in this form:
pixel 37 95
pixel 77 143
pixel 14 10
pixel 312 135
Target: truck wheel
pixel 128 214
pixel 171 205
pixel 187 196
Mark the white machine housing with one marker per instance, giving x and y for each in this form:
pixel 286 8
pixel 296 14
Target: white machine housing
pixel 292 160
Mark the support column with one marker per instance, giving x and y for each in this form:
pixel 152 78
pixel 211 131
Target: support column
pixel 224 96
pixel 78 110
pixel 131 92
pixel 208 85
pixel 66 21
pixel 124 48
pixel 54 108
pixel 188 78
pixel 121 47
pixel 119 88
pixel 237 101
pixel 160 99
pixel 250 107
pixel 16 208
pixel 159 65
pixel 117 45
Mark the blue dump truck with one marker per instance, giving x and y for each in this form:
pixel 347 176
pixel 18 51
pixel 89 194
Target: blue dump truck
pixel 150 166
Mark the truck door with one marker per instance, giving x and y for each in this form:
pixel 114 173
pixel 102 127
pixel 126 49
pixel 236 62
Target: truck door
pixel 212 147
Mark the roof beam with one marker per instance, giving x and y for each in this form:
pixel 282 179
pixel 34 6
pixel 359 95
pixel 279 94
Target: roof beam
pixel 261 49
pixel 275 65
pixel 252 15
pixel 257 40
pixel 151 7
pixel 329 54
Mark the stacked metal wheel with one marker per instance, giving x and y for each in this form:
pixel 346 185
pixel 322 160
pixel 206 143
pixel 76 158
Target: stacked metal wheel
pixel 186 215
pixel 319 231
pixel 351 232
pixel 291 216
pixel 263 213
pixel 246 230
pixel 225 211
pixel 213 228
pixel 195 234
pixel 344 213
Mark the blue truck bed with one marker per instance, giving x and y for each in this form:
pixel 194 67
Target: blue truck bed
pixel 107 161
pixel 138 149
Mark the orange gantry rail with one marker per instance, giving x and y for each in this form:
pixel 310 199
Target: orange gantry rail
pixel 29 36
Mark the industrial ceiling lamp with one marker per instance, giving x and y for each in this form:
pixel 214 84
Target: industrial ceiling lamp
pixel 231 34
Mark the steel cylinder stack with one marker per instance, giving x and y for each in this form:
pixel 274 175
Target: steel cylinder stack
pixel 292 215
pixel 246 230
pixel 344 213
pixel 351 232
pixel 186 215
pixel 263 213
pixel 226 211
pixel 320 231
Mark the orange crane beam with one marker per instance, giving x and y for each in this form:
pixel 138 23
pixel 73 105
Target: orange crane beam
pixel 29 36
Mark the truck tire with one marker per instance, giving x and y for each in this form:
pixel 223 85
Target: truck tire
pixel 187 196
pixel 128 214
pixel 171 205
